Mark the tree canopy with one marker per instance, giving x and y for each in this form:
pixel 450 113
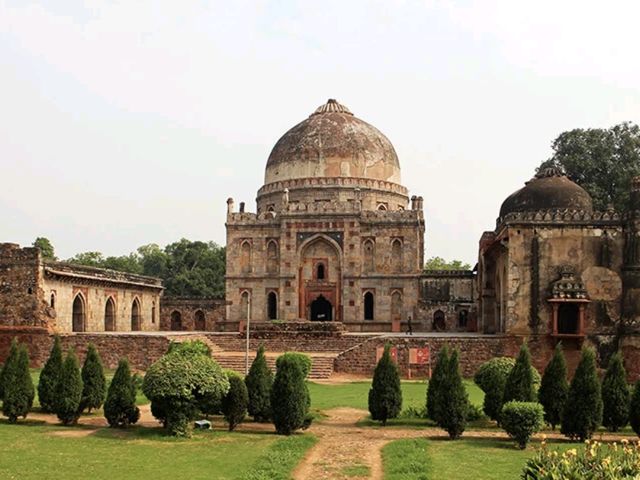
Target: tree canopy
pixel 439 263
pixel 46 248
pixel 601 160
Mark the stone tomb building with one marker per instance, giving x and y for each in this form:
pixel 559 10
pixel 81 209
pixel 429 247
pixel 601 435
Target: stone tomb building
pixel 335 236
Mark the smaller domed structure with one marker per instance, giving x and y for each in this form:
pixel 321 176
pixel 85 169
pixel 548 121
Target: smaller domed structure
pixel 550 189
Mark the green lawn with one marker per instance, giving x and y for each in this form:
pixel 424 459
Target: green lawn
pixel 31 450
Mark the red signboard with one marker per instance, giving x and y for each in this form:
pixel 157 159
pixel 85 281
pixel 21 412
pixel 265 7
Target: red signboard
pixel 380 351
pixel 419 356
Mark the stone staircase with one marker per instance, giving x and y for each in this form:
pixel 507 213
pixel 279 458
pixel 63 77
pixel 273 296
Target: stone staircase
pixel 321 363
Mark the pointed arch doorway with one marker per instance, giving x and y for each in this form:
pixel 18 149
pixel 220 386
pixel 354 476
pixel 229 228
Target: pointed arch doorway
pixel 321 310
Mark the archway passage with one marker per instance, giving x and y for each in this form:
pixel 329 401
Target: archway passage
pixel 368 306
pixel 272 306
pixel 321 309
pixel 135 315
pixel 176 321
pixel 110 316
pixel 200 324
pixel 438 321
pixel 568 318
pixel 78 314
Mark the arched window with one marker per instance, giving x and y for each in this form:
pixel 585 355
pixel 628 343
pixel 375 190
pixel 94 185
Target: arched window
pixel 153 312
pixel 368 306
pixel 135 315
pixel 320 272
pixel 369 256
pixel 245 257
pixel 463 316
pixel 272 306
pixel 396 306
pixel 200 323
pixel 78 315
pixel 438 321
pixel 382 207
pixel 110 316
pixel 396 255
pixel 53 300
pixel 244 305
pixel 272 257
pixel 176 321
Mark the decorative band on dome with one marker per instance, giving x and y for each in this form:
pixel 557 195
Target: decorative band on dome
pixel 332 106
pixel 550 172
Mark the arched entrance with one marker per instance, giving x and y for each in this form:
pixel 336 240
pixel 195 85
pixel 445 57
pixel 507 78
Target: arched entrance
pixel 321 310
pixel 176 321
pixel 272 306
pixel 368 306
pixel 438 321
pixel 78 316
pixel 135 315
pixel 110 316
pixel 200 324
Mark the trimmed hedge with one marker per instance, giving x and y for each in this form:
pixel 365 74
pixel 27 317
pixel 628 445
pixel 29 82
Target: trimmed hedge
pixel 303 360
pixel 615 395
pixel 234 403
pixel 259 381
pixel 452 404
pixel 120 408
pixel 385 395
pixel 519 386
pixel 435 382
pixel 289 396
pixel 19 390
pixel 50 376
pixel 554 388
pixel 69 391
pixel 94 382
pixel 521 420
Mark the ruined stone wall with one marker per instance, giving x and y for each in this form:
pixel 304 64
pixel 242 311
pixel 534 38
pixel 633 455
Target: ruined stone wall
pixel 212 311
pixel 450 294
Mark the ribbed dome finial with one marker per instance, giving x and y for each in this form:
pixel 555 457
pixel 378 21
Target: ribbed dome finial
pixel 332 106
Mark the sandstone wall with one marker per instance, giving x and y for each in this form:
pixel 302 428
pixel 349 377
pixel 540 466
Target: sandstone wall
pixel 211 310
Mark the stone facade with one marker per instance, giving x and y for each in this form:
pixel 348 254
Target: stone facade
pixel 191 314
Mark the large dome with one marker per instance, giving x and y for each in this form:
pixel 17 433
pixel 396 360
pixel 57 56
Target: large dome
pixel 332 142
pixel 550 189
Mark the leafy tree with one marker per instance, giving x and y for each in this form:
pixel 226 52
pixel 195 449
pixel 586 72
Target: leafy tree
pixel 634 409
pixel 519 386
pixel 602 161
pixel 50 376
pixel 302 359
pixel 453 402
pixel 93 381
pixel 259 381
pixel 19 391
pixel 8 365
pixel 46 248
pixel 90 259
pixel 554 388
pixel 120 408
pixel 521 420
pixel 583 411
pixel 385 395
pixel 289 397
pixel 439 263
pixel 435 382
pixel 69 390
pixel 234 404
pixel 615 395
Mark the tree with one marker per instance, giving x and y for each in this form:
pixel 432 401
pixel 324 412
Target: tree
pixel 46 248
pixel 259 381
pixel 615 395
pixel 453 402
pixel 50 376
pixel 385 395
pixel 90 259
pixel 602 161
pixel 289 397
pixel 120 408
pixel 435 382
pixel 554 388
pixel 634 409
pixel 521 420
pixel 583 411
pixel 234 404
pixel 519 386
pixel 19 391
pixel 93 380
pixel 439 263
pixel 69 390
pixel 8 365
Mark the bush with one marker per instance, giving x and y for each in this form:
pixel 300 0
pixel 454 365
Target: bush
pixel 289 396
pixel 178 384
pixel 385 395
pixel 303 361
pixel 197 347
pixel 554 388
pixel 474 413
pixel 18 391
pixel 69 391
pixel 435 382
pixel 583 411
pixel 234 404
pixel 94 383
pixel 259 381
pixel 453 403
pixel 596 461
pixel 519 386
pixel 50 376
pixel 120 408
pixel 8 365
pixel 634 409
pixel 615 395
pixel 521 420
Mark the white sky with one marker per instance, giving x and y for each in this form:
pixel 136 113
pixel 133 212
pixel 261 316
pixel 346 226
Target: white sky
pixel 131 122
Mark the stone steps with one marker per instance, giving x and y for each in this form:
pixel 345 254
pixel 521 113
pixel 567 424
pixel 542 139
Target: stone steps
pixel 321 365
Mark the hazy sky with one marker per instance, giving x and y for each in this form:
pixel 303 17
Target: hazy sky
pixel 131 122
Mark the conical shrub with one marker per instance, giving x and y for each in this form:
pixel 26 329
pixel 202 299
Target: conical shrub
pixel 554 388
pixel 385 395
pixel 615 395
pixel 634 409
pixel 435 382
pixel 19 390
pixel 69 390
pixel 453 402
pixel 50 376
pixel 289 397
pixel 234 404
pixel 120 408
pixel 259 381
pixel 94 383
pixel 8 365
pixel 583 411
pixel 519 386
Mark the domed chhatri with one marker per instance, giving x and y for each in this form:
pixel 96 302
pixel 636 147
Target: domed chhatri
pixel 550 189
pixel 332 142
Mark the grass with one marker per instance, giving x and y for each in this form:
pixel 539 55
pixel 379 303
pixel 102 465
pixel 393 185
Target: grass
pixel 32 450
pixel 408 460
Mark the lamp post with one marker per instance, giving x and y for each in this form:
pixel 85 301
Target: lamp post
pixel 246 352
